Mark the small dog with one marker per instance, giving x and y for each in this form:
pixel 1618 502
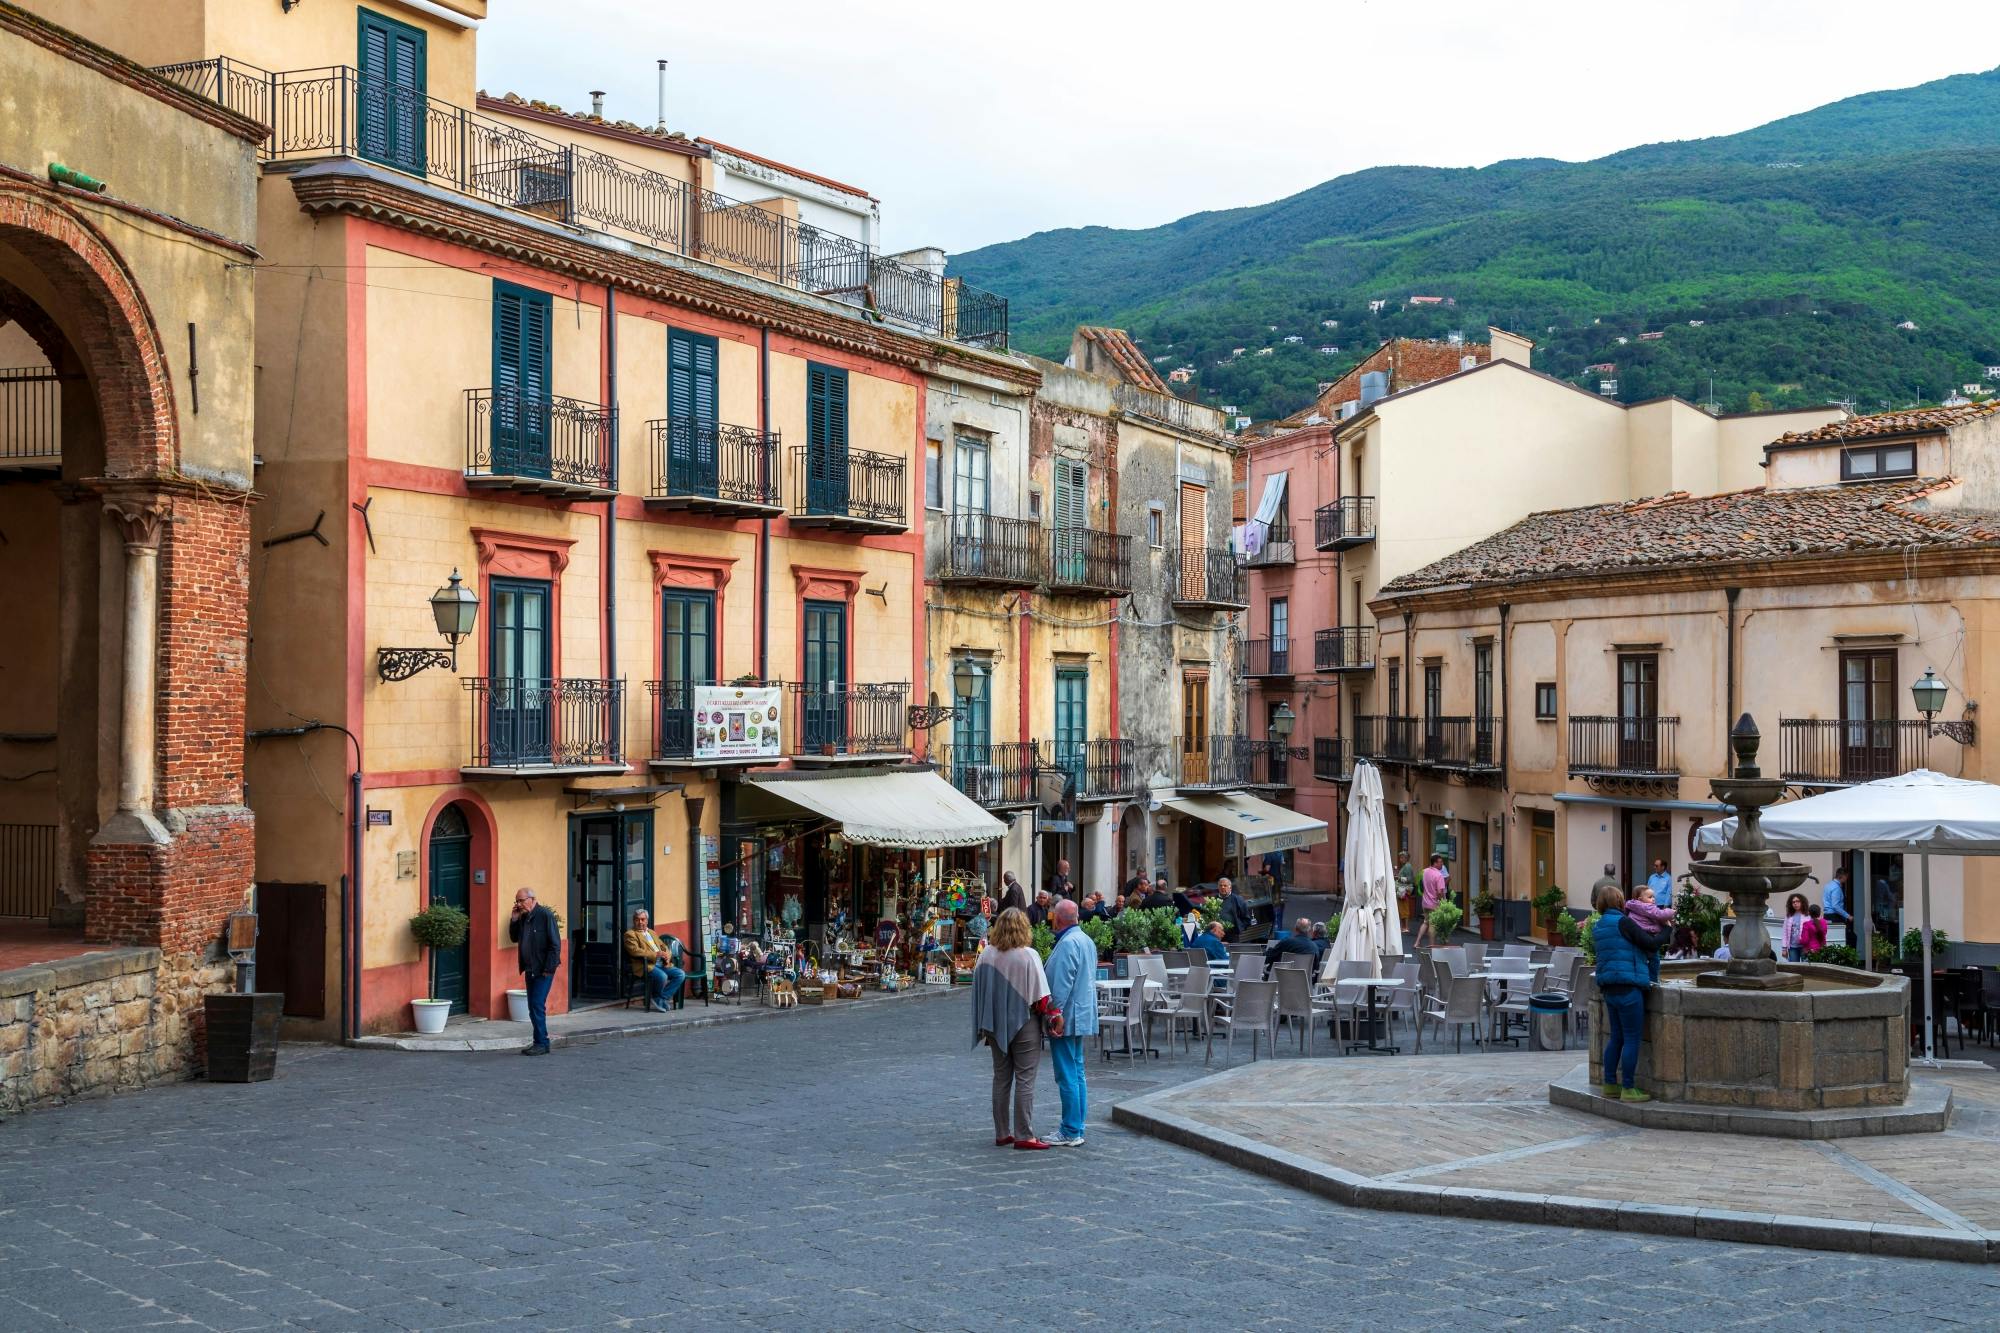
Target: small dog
pixel 781 994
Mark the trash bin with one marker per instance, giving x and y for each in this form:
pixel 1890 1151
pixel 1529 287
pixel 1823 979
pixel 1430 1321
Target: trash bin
pixel 1548 1021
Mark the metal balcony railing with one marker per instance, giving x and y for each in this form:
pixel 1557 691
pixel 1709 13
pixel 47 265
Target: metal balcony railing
pixel 1205 577
pixel 674 714
pixel 1458 742
pixel 851 488
pixel 1267 763
pixel 1623 746
pixel 998 552
pixel 994 774
pixel 1351 648
pixel 520 723
pixel 539 442
pixel 1276 552
pixel 1349 521
pixel 849 720
pixel 1267 657
pixel 1086 560
pixel 1331 761
pixel 1385 738
pixel 30 416
pixel 711 467
pixel 1237 761
pixel 332 111
pixel 1111 767
pixel 1832 753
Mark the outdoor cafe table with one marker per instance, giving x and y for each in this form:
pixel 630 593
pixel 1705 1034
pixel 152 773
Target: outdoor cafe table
pixel 1374 986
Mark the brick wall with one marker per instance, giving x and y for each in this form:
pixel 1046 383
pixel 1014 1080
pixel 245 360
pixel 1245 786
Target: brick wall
pixel 204 630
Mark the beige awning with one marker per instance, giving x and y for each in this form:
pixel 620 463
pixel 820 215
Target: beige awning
pixel 910 808
pixel 1263 827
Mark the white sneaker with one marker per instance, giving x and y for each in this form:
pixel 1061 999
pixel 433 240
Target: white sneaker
pixel 1061 1142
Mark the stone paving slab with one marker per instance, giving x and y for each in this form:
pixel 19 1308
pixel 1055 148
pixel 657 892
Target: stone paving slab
pixel 1479 1138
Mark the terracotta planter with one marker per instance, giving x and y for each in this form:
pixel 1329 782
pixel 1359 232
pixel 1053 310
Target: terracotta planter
pixel 1486 924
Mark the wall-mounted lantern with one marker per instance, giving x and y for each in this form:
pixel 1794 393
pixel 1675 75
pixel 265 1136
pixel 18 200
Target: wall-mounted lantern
pixel 454 607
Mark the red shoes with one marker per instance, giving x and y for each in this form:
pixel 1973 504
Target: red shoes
pixel 1003 1140
pixel 1030 1145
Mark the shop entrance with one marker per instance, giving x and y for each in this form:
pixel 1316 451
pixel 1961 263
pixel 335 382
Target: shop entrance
pixel 611 877
pixel 451 884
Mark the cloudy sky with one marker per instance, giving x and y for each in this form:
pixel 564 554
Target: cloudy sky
pixel 975 123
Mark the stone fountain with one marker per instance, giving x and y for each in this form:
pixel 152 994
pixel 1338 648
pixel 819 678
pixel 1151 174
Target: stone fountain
pixel 1795 1050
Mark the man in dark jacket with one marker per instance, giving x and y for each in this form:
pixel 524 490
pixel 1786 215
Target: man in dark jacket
pixel 1300 941
pixel 1236 916
pixel 533 927
pixel 1159 897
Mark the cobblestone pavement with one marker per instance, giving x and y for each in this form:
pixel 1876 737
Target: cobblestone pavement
pixel 829 1173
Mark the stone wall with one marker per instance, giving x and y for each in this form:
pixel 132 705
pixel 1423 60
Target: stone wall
pixel 104 1022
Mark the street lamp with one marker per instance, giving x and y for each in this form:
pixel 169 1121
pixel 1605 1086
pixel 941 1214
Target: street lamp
pixel 966 673
pixel 1282 722
pixel 454 607
pixel 1929 695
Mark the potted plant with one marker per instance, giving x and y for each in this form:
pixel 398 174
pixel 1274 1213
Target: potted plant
pixel 1569 930
pixel 1166 930
pixel 1913 945
pixel 1586 938
pixel 1487 908
pixel 439 926
pixel 1444 919
pixel 1549 905
pixel 1103 934
pixel 1131 931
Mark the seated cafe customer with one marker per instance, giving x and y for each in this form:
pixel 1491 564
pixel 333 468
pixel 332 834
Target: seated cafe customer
pixel 651 957
pixel 1210 942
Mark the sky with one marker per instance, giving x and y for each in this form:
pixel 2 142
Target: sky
pixel 976 123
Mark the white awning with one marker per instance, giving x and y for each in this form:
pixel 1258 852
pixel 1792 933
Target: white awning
pixel 913 809
pixel 1263 827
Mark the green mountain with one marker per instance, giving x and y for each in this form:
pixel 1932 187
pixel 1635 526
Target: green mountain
pixel 1775 265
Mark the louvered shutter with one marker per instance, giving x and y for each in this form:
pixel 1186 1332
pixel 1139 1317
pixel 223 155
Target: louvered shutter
pixel 1194 542
pixel 1072 493
pixel 391 97
pixel 520 379
pixel 826 437
pixel 691 403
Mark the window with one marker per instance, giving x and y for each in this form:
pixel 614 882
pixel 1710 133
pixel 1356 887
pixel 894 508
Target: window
pixel 1482 681
pixel 1035 503
pixel 934 474
pixel 1545 701
pixel 520 381
pixel 1281 620
pixel 1868 728
pixel 971 468
pixel 826 439
pixel 1395 705
pixel 1887 460
pixel 692 464
pixel 1281 522
pixel 390 103
pixel 1155 525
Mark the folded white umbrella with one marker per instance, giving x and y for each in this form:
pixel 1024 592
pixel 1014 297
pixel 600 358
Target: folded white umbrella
pixel 1368 924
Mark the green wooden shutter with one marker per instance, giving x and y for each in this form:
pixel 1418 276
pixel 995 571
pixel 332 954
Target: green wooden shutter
pixel 826 438
pixel 521 364
pixel 691 403
pixel 1072 494
pixel 392 107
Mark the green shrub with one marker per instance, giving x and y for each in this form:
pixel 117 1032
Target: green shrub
pixel 1166 929
pixel 1484 905
pixel 1548 902
pixel 1586 938
pixel 440 926
pixel 1444 919
pixel 1102 934
pixel 1703 915
pixel 1132 930
pixel 1044 940
pixel 1333 925
pixel 1568 930
pixel 1840 955
pixel 1913 943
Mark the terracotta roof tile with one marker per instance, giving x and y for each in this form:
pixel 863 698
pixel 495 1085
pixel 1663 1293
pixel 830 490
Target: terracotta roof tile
pixel 1125 354
pixel 1678 530
pixel 1916 421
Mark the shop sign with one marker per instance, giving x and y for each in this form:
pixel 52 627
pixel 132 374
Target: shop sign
pixel 736 721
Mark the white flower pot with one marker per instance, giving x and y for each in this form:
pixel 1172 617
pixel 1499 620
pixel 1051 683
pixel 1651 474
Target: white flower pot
pixel 517 1005
pixel 431 1015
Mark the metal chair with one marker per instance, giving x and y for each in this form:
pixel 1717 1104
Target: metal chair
pixel 1296 1002
pixel 1475 957
pixel 1255 1008
pixel 1408 1001
pixel 1122 1011
pixel 1517 951
pixel 1461 1009
pixel 1453 954
pixel 1190 1004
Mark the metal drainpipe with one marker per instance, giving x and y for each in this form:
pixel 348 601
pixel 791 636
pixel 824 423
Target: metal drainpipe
pixel 764 533
pixel 1729 666
pixel 611 505
pixel 1506 802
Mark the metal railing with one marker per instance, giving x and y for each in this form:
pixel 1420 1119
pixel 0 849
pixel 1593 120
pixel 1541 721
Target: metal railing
pixel 705 460
pixel 1348 521
pixel 30 415
pixel 1237 761
pixel 1205 576
pixel 1267 763
pixel 983 548
pixel 1832 752
pixel 1331 762
pixel 863 486
pixel 518 722
pixel 1274 553
pixel 1384 737
pixel 27 870
pixel 843 720
pixel 1623 746
pixel 1267 657
pixel 996 773
pixel 540 438
pixel 1087 560
pixel 1458 742
pixel 1351 648
pixel 1168 410
pixel 674 720
pixel 332 111
pixel 1112 766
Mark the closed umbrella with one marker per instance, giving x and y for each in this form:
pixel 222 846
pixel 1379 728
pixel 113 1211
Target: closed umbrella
pixel 1368 924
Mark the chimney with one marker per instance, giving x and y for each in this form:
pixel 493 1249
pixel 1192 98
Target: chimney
pixel 662 125
pixel 1509 346
pixel 1374 384
pixel 597 103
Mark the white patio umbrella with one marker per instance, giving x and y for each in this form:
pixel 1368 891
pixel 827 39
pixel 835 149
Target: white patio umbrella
pixel 1921 812
pixel 1368 924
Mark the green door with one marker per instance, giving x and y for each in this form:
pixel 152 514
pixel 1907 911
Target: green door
pixel 390 103
pixel 687 659
pixel 826 439
pixel 451 884
pixel 1072 720
pixel 611 877
pixel 517 721
pixel 520 425
pixel 972 741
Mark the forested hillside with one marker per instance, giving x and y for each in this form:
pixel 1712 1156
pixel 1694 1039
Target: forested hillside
pixel 1775 265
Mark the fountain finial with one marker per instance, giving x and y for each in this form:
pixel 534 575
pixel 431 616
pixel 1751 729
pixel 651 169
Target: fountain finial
pixel 1744 740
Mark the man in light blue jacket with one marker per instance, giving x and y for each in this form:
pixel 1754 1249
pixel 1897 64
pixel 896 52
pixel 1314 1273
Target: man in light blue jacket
pixel 1072 973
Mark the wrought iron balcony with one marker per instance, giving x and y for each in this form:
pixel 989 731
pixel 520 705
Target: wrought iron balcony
pixel 1238 761
pixel 534 726
pixel 676 722
pixel 990 551
pixel 1084 560
pixel 1384 738
pixel 866 721
pixel 1469 743
pixel 1351 648
pixel 1111 766
pixel 535 442
pixel 708 468
pixel 332 111
pixel 1267 763
pixel 1331 761
pixel 995 774
pixel 30 419
pixel 1834 753
pixel 1275 553
pixel 1267 657
pixel 1349 521
pixel 1205 578
pixel 849 490
pixel 1623 747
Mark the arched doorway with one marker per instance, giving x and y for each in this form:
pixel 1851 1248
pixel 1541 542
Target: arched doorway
pixel 450 882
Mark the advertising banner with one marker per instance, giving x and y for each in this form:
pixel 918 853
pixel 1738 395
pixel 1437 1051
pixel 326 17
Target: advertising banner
pixel 737 721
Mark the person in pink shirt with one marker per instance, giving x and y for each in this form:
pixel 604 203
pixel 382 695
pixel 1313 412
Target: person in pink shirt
pixel 1437 881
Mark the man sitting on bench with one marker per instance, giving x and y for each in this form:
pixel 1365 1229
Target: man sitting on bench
pixel 653 958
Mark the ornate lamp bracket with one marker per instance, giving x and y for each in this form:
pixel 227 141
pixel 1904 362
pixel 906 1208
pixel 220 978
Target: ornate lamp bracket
pixel 403 663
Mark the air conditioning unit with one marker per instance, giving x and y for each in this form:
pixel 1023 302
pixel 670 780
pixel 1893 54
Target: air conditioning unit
pixel 980 782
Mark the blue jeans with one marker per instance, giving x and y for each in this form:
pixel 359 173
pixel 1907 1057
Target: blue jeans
pixel 538 1006
pixel 1066 1055
pixel 667 982
pixel 1624 1023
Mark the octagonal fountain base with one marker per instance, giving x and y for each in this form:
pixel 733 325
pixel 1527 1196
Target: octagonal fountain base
pixel 1828 1060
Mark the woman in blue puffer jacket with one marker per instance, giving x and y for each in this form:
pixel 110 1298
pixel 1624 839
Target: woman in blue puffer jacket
pixel 1625 972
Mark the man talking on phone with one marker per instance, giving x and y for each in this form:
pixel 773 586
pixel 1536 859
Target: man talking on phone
pixel 533 927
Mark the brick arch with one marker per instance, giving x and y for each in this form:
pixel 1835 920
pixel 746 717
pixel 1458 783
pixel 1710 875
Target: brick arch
pixel 116 336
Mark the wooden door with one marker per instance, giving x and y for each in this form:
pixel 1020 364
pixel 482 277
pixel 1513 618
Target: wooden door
pixel 451 884
pixel 1867 715
pixel 1194 727
pixel 291 946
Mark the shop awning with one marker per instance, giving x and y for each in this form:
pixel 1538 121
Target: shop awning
pixel 1263 827
pixel 910 808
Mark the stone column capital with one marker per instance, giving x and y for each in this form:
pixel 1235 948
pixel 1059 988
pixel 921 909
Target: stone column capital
pixel 138 521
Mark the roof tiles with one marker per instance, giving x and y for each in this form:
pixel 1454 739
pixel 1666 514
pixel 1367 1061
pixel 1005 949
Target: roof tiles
pixel 1915 421
pixel 1125 354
